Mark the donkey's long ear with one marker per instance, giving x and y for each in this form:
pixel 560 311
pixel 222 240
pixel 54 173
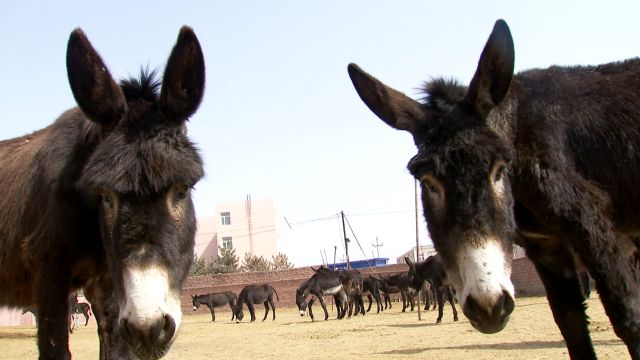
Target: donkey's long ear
pixel 393 107
pixel 95 91
pixel 183 82
pixel 495 70
pixel 409 262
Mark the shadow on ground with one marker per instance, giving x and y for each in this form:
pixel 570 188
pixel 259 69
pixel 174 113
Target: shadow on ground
pixel 524 345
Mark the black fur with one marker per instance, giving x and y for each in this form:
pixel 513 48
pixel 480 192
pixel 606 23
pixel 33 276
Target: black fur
pixel 561 145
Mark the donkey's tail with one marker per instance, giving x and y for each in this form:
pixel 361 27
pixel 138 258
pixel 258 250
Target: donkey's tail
pixel 274 290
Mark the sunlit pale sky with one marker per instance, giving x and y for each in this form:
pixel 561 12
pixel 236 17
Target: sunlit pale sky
pixel 280 117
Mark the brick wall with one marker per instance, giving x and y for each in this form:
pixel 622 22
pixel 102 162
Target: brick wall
pixel 524 277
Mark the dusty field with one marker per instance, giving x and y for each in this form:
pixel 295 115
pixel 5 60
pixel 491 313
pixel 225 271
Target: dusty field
pixel 531 334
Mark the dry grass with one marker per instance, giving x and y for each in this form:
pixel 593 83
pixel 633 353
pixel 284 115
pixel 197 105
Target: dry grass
pixel 531 334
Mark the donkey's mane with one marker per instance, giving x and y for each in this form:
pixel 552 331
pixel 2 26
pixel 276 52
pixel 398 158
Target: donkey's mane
pixel 145 87
pixel 441 94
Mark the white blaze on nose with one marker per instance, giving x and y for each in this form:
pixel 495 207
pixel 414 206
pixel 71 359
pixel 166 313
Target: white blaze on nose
pixel 485 274
pixel 148 298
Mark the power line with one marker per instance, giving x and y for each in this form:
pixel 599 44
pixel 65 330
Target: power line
pixel 358 242
pixel 382 213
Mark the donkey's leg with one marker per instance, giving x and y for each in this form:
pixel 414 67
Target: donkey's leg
pixel 273 307
pixel 618 283
pixel 266 310
pixel 404 301
pixel 370 302
pixel 440 300
pixel 313 299
pixel 567 304
pixel 252 310
pixel 231 305
pixel 453 303
pixel 585 216
pixel 53 314
pixel 213 313
pixel 344 299
pixel 324 306
pixel 434 297
pixel 427 297
pixel 361 303
pixel 376 296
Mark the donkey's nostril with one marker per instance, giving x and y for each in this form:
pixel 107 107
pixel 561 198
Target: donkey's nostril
pixel 167 331
pixel 509 304
pixel 490 318
pixel 151 341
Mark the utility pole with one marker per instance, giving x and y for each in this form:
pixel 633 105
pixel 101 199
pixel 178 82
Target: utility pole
pixel 377 245
pixel 247 206
pixel 346 241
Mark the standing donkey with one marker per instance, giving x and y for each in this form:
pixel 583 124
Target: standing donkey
pixel 253 295
pixel 101 200
pixel 546 158
pixel 214 300
pixel 431 270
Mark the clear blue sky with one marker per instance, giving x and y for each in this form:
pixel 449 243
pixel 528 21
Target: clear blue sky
pixel 280 117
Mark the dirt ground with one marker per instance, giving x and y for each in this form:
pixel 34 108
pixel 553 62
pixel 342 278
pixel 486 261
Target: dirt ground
pixel 530 334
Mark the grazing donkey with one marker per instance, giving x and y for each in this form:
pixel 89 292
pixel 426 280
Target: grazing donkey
pixel 431 270
pixel 101 200
pixel 256 294
pixel 323 283
pixel 546 158
pixel 215 300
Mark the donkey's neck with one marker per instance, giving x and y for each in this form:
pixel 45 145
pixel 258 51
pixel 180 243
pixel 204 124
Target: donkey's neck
pixel 503 118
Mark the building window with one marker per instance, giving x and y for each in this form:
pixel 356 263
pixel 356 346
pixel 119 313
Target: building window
pixel 227 243
pixel 225 218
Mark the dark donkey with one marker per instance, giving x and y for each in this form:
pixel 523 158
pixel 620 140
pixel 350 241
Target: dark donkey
pixel 546 158
pixel 323 283
pixel 431 270
pixel 215 300
pixel 101 199
pixel 371 288
pixel 84 309
pixel 400 283
pixel 256 294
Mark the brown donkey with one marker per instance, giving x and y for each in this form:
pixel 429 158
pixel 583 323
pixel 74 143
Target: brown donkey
pixel 100 200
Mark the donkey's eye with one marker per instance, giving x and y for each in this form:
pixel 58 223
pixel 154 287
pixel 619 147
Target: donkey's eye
pixel 431 185
pixel 499 172
pixel 182 192
pixel 108 199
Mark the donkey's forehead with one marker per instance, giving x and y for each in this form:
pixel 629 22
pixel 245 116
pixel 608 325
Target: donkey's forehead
pixel 147 164
pixel 465 151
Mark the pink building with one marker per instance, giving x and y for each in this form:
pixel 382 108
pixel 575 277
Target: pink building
pixel 248 226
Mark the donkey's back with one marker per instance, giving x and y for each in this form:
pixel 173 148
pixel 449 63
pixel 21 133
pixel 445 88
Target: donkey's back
pixel 33 165
pixel 584 120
